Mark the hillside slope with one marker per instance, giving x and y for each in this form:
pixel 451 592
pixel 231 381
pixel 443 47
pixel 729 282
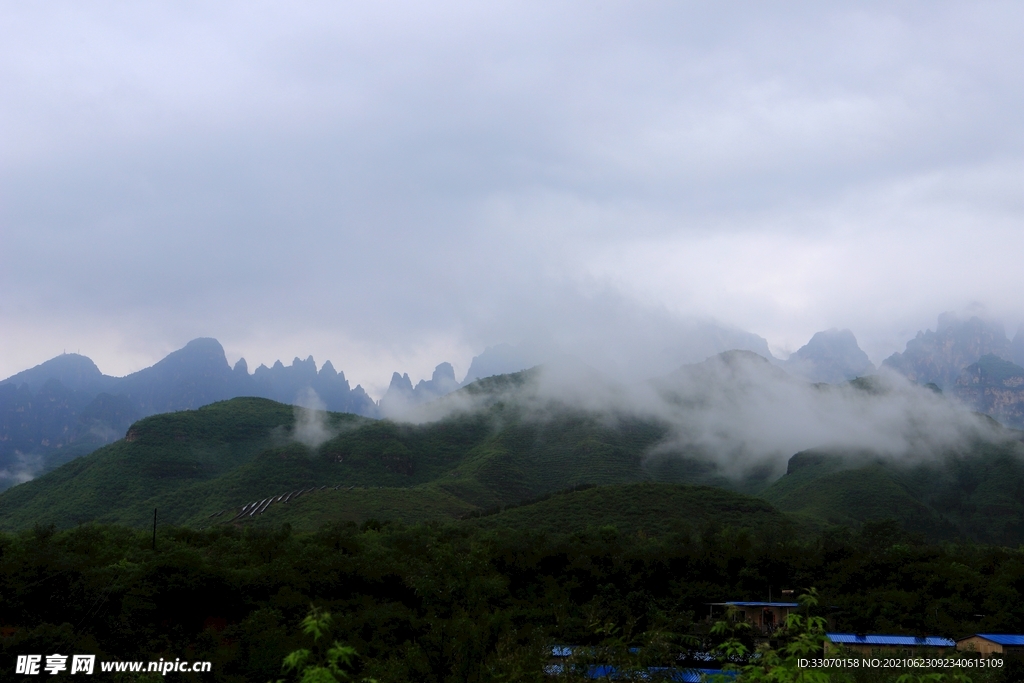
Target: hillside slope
pixel 975 494
pixel 648 508
pixel 644 508
pixel 163 457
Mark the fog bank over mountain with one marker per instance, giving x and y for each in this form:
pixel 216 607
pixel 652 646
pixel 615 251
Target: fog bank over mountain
pixel 743 415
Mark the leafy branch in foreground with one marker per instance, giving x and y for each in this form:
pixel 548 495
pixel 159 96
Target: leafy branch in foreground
pixel 320 665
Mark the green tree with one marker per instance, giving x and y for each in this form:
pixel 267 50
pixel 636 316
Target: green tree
pixel 323 663
pixel 803 638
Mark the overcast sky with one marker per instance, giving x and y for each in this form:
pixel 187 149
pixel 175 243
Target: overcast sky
pixel 392 185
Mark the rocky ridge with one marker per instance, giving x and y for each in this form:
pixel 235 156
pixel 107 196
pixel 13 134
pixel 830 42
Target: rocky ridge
pixel 995 387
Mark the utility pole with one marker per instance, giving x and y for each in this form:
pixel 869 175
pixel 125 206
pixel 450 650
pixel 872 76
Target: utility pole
pixel 154 529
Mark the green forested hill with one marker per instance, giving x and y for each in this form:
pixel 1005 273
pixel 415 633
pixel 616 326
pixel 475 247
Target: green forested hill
pixel 975 494
pixel 194 464
pixel 645 508
pixel 163 458
pixel 495 446
pixel 848 489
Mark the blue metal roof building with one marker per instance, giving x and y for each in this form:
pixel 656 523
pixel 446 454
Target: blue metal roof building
pixel 1003 638
pixel 873 639
pixel 987 644
pixel 865 642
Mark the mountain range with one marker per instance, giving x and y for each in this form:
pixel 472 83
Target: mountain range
pixel 507 440
pixel 65 407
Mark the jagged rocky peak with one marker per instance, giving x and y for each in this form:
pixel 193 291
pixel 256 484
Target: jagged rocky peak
pixel 444 371
pixel 400 383
pixel 441 382
pixel 327 371
pixel 284 383
pixel 300 370
pixel 938 357
pixel 831 356
pixel 993 386
pixel 81 403
pixel 401 395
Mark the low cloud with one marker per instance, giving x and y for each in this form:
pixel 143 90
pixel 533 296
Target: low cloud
pixel 744 414
pixel 311 428
pixel 26 467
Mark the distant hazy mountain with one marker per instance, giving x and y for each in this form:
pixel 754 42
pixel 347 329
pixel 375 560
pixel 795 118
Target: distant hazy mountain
pixel 284 383
pixel 42 429
pixel 501 359
pixel 831 356
pixel 995 387
pixel 66 407
pixel 938 357
pixel 706 340
pixel 698 342
pixel 506 358
pixel 193 376
pixel 401 394
pixel 73 371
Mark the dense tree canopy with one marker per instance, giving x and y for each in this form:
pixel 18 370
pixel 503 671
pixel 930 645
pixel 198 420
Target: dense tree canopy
pixel 458 602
